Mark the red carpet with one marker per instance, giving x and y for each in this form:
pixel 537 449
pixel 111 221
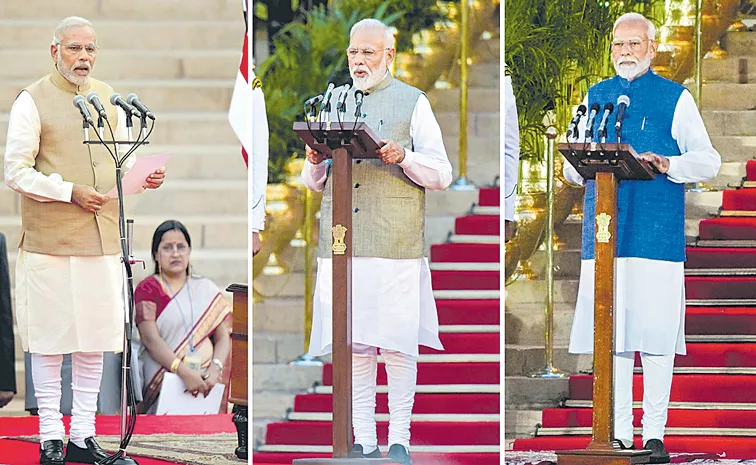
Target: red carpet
pixel 714 319
pixel 479 438
pixel 16 452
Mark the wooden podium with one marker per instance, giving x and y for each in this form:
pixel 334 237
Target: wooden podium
pixel 239 374
pixel 342 143
pixel 607 164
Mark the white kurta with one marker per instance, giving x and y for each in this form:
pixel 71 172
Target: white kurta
pixel 63 304
pixel 392 300
pixel 511 150
pixel 259 162
pixel 650 294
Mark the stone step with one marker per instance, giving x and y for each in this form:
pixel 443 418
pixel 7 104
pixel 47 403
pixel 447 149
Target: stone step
pixel 207 232
pixel 733 69
pixel 739 43
pixel 484 125
pixel 566 263
pixel 520 423
pixel 729 96
pixel 701 205
pixel 526 393
pixel 483 159
pixel 271 405
pixel 160 96
pixel 278 348
pixel 730 173
pixel 189 128
pixel 478 100
pixel 284 378
pixel 730 123
pixel 279 315
pixel 30 65
pixel 524 360
pixel 524 322
pixel 735 148
pixel 138 34
pixel 131 10
pixel 288 285
pixel 219 162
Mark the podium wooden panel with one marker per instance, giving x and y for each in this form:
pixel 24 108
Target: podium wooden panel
pixel 606 164
pixel 342 143
pixel 239 373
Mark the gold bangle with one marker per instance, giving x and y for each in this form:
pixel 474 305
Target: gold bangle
pixel 175 365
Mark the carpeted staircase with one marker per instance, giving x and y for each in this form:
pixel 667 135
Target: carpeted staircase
pixel 456 413
pixel 714 387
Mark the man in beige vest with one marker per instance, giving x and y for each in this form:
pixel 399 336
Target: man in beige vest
pixel 69 278
pixel 393 306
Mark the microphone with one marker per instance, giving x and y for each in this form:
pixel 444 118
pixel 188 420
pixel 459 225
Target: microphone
pixel 117 100
pixel 589 125
pixel 358 95
pixel 134 101
pixel 573 127
pixel 313 101
pixel 622 103
pixel 81 104
pixel 608 109
pixel 341 102
pixel 326 97
pixel 94 100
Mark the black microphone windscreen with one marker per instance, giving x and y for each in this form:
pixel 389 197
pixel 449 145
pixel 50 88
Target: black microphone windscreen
pixel 596 107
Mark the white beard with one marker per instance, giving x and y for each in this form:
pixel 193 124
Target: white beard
pixel 631 72
pixel 373 77
pixel 69 74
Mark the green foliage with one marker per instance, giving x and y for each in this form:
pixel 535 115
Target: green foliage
pixel 308 55
pixel 555 50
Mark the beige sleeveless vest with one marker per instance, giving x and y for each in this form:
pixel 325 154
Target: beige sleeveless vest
pixel 60 228
pixel 388 219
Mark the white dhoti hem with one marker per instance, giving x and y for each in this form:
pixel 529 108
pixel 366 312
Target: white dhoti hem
pixel 69 304
pixel 649 307
pixel 392 306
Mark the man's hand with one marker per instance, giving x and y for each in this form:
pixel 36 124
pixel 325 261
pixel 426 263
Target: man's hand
pixel 155 179
pixel 509 230
pixel 661 163
pixel 256 243
pixel 313 156
pixel 88 198
pixel 5 398
pixel 391 153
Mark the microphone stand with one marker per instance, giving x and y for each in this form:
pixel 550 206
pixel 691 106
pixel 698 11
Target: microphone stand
pixel 128 396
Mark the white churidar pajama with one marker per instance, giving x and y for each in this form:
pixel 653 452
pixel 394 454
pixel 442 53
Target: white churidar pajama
pixel 392 300
pixel 63 304
pixel 650 294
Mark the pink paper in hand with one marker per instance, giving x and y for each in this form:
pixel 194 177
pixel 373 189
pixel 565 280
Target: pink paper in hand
pixel 136 177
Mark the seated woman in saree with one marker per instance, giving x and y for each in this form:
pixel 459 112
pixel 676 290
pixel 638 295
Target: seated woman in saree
pixel 183 321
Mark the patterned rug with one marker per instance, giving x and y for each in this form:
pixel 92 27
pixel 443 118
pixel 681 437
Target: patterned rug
pixel 206 449
pixel 549 458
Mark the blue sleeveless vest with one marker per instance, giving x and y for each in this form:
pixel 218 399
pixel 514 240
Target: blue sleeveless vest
pixel 650 214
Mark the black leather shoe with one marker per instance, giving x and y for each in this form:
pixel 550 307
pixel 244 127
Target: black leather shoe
pixel 357 453
pixel 399 454
pixel 51 453
pixel 658 453
pixel 91 454
pixel 619 445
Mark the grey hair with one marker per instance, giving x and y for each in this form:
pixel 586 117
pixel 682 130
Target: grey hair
pixel 68 23
pixel 371 23
pixel 636 18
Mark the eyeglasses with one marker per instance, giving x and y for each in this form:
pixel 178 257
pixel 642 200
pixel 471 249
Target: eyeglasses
pixel 368 53
pixel 181 249
pixel 635 44
pixel 76 49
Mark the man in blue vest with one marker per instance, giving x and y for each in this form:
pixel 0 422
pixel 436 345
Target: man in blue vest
pixel 663 125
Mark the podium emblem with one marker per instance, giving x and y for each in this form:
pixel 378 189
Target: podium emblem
pixel 339 233
pixel 602 220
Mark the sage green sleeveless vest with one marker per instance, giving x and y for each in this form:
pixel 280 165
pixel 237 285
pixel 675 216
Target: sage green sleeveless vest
pixel 388 219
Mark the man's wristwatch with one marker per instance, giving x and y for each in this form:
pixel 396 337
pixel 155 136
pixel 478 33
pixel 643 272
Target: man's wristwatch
pixel 217 363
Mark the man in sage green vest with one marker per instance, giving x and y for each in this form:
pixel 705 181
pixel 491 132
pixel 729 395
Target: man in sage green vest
pixel 69 279
pixel 393 306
